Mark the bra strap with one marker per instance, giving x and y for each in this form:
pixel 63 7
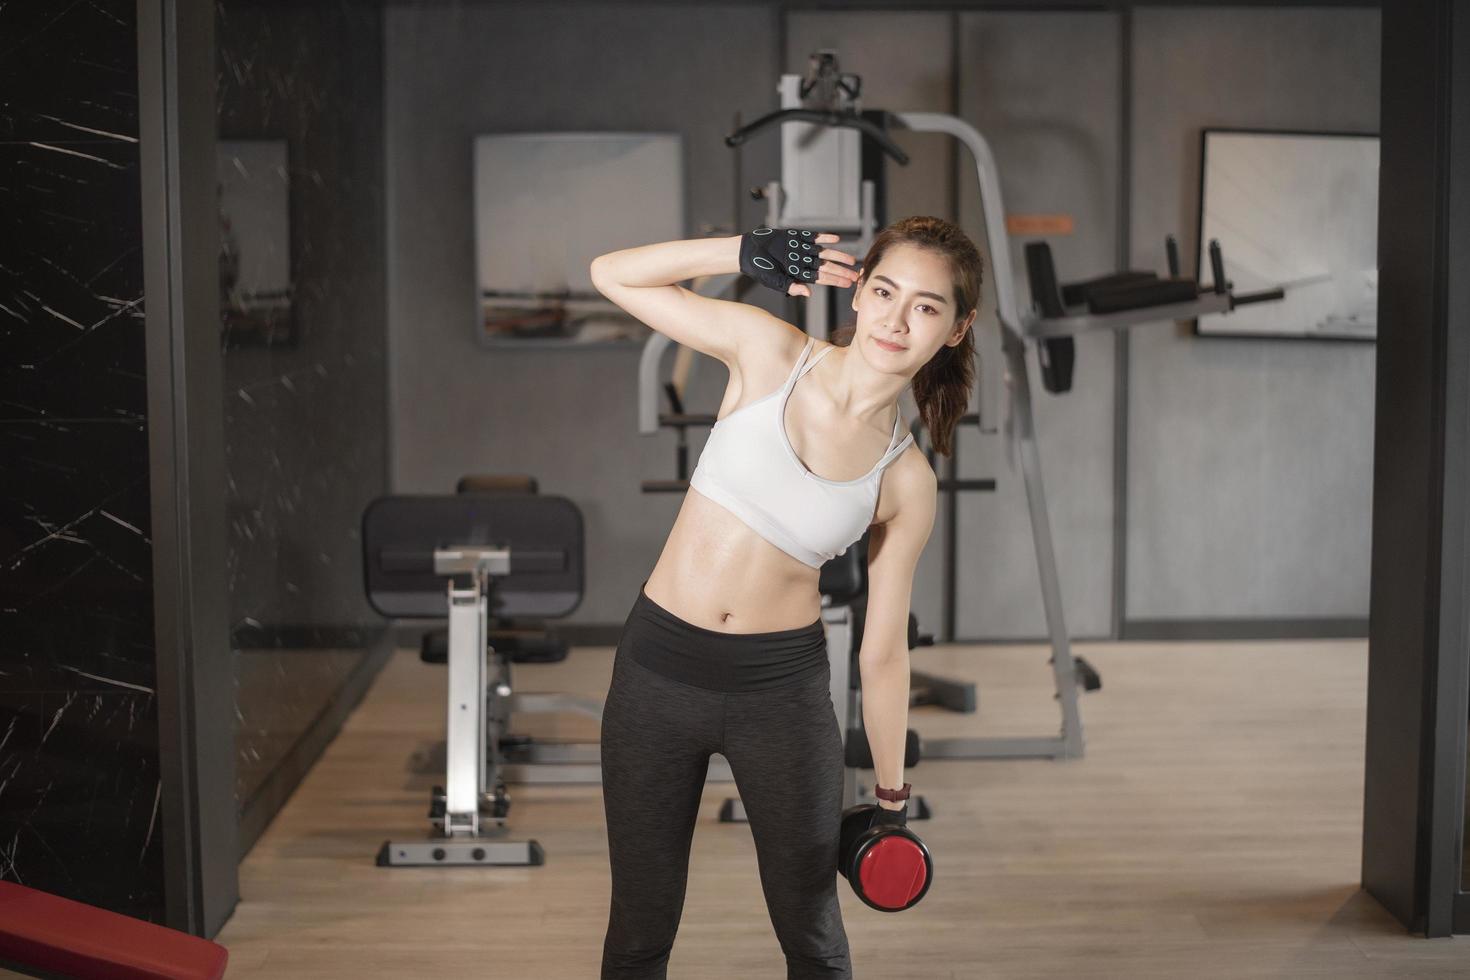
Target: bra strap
pixel 814 361
pixel 800 363
pixel 892 454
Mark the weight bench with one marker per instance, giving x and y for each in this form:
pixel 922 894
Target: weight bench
pixel 64 938
pixel 463 557
pixel 524 759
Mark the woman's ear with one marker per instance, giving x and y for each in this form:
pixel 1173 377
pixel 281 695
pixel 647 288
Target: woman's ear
pixel 969 321
pixel 969 324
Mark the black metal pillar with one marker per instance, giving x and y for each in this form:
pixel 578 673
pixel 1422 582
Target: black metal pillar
pixel 196 705
pixel 1417 663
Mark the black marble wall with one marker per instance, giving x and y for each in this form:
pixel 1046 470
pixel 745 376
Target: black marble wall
pixel 79 762
pixel 305 421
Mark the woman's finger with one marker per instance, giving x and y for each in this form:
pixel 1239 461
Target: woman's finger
pixel 837 255
pixel 827 236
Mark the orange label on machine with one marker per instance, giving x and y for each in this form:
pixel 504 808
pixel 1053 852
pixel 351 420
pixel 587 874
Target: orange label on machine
pixel 1039 224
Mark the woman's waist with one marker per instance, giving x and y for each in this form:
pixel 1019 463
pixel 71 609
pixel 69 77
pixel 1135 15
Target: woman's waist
pixel 717 572
pixel 660 640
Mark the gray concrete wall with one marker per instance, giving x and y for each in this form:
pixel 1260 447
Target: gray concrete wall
pixel 1055 137
pixel 568 417
pixel 1248 460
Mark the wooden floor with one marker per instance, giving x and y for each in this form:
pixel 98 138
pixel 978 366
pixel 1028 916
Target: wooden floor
pixel 1213 830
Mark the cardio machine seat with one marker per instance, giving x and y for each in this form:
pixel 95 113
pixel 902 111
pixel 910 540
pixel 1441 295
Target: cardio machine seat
pixel 71 939
pixel 527 647
pixel 521 641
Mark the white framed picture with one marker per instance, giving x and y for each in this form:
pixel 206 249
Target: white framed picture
pixel 546 205
pixel 1299 211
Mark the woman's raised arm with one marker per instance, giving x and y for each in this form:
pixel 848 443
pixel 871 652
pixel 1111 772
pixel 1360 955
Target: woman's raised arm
pixel 644 282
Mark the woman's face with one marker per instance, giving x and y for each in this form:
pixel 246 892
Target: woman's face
pixel 906 301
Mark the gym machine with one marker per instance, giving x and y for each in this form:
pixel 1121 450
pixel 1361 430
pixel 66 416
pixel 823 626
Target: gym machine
pixel 469 557
pixel 832 160
pixel 521 759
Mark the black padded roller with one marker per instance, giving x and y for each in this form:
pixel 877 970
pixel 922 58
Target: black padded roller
pixel 1076 293
pixel 1141 295
pixel 1057 354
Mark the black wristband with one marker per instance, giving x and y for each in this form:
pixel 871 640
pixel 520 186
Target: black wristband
pixel 777 257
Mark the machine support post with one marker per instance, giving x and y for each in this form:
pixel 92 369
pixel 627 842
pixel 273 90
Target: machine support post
pixel 465 734
pixel 1063 667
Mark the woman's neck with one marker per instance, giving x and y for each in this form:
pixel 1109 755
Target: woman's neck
pixel 860 393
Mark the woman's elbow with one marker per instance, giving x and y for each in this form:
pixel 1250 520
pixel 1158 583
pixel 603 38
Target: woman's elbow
pixel 881 655
pixel 598 269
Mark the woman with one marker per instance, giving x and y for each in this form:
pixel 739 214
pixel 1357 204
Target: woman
pixel 724 648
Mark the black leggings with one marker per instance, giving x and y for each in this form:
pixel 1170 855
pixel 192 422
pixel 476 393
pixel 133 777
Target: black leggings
pixel 680 692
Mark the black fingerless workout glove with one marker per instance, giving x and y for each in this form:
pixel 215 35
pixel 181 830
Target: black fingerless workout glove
pixel 777 257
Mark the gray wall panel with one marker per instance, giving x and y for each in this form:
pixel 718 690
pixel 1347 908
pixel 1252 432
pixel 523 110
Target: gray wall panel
pixel 1055 137
pixel 1250 461
pixel 566 416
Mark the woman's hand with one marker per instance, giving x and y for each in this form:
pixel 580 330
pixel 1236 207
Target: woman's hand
pixel 839 269
pixel 792 260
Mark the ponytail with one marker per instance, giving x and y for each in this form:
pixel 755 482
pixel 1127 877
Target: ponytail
pixel 942 391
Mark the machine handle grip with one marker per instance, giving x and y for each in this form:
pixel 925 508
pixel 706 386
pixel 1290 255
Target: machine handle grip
pixel 1217 266
pixel 824 117
pixel 1264 296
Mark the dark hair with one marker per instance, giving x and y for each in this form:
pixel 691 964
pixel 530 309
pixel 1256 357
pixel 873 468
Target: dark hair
pixel 942 386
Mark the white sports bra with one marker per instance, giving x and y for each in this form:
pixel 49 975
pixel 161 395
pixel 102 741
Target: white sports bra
pixel 749 468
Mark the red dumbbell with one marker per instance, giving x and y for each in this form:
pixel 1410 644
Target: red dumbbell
pixel 886 863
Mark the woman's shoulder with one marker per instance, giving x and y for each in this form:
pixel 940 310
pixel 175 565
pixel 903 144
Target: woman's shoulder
pixel 909 487
pixel 912 470
pixel 770 348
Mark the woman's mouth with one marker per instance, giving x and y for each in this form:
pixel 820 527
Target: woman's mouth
pixel 887 346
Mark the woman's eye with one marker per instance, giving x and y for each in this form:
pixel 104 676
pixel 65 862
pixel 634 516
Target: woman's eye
pixel 923 306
